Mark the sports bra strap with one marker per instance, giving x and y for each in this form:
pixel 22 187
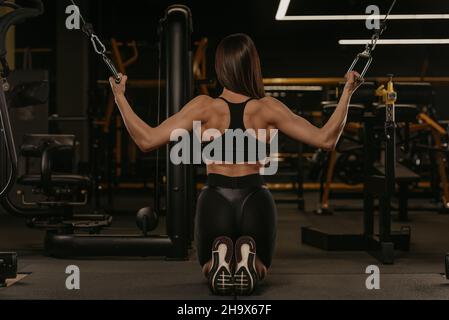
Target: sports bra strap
pixel 221 98
pixel 242 103
pixel 246 102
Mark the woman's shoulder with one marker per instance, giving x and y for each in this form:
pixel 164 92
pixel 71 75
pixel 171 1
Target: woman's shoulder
pixel 265 103
pixel 200 103
pixel 208 106
pixel 207 101
pixel 202 99
pixel 269 101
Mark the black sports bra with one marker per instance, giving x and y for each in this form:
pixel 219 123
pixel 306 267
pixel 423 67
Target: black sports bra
pixel 238 145
pixel 237 112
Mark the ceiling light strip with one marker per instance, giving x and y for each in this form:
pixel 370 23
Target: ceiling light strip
pixel 281 15
pixel 394 41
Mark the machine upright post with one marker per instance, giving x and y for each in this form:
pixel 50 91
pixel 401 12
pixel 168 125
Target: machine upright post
pixel 177 33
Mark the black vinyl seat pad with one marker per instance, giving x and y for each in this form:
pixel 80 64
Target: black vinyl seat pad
pixel 57 180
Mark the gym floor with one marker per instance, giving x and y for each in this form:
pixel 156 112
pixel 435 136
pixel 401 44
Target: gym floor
pixel 298 272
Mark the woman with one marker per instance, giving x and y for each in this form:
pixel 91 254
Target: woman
pixel 235 211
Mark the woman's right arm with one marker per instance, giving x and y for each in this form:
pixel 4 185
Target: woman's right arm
pixel 302 130
pixel 149 138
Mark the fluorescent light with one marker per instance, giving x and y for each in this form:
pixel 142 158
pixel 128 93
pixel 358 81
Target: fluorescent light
pixel 282 9
pixel 395 41
pixel 364 17
pixel 281 15
pixel 293 88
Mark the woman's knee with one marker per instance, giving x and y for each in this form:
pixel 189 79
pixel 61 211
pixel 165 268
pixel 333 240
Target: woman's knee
pixel 214 218
pixel 259 221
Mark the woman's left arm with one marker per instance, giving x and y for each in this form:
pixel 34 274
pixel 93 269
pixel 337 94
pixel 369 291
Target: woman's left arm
pixel 148 138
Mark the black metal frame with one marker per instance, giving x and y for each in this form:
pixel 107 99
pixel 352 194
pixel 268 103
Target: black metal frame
pixel 383 245
pixel 7 144
pixel 446 262
pixel 176 30
pixel 16 16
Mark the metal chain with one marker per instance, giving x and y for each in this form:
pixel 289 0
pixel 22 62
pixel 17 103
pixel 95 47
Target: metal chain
pixel 98 46
pixel 371 46
pixel 87 28
pixel 79 12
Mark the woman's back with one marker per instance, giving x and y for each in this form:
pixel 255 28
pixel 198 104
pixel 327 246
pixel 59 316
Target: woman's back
pixel 237 112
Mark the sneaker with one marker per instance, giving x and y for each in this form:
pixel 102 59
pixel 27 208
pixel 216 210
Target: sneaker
pixel 220 275
pixel 245 277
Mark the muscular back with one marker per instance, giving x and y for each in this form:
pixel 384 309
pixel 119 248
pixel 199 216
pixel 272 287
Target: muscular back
pixel 218 117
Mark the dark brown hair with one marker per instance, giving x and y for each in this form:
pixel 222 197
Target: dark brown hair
pixel 237 65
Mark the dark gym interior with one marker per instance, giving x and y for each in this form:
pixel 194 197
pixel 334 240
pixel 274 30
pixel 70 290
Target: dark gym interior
pixel 77 191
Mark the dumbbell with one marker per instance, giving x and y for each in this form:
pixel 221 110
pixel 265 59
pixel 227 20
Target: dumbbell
pixel 147 220
pixel 8 267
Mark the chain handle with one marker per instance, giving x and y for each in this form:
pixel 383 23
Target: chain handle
pixel 371 45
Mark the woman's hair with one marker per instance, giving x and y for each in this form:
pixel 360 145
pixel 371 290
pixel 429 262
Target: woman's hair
pixel 237 65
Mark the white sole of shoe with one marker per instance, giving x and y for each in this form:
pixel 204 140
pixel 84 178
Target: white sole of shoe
pixel 220 277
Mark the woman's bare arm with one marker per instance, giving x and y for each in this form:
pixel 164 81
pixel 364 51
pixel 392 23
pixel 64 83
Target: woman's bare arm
pixel 148 138
pixel 302 130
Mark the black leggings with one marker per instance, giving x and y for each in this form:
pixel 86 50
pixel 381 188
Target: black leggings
pixel 235 207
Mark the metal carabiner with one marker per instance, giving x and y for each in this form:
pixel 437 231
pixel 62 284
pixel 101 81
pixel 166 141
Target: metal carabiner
pixel 97 42
pixel 100 49
pixel 98 46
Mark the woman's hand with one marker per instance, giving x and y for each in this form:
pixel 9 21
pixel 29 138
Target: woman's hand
pixel 353 81
pixel 118 89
